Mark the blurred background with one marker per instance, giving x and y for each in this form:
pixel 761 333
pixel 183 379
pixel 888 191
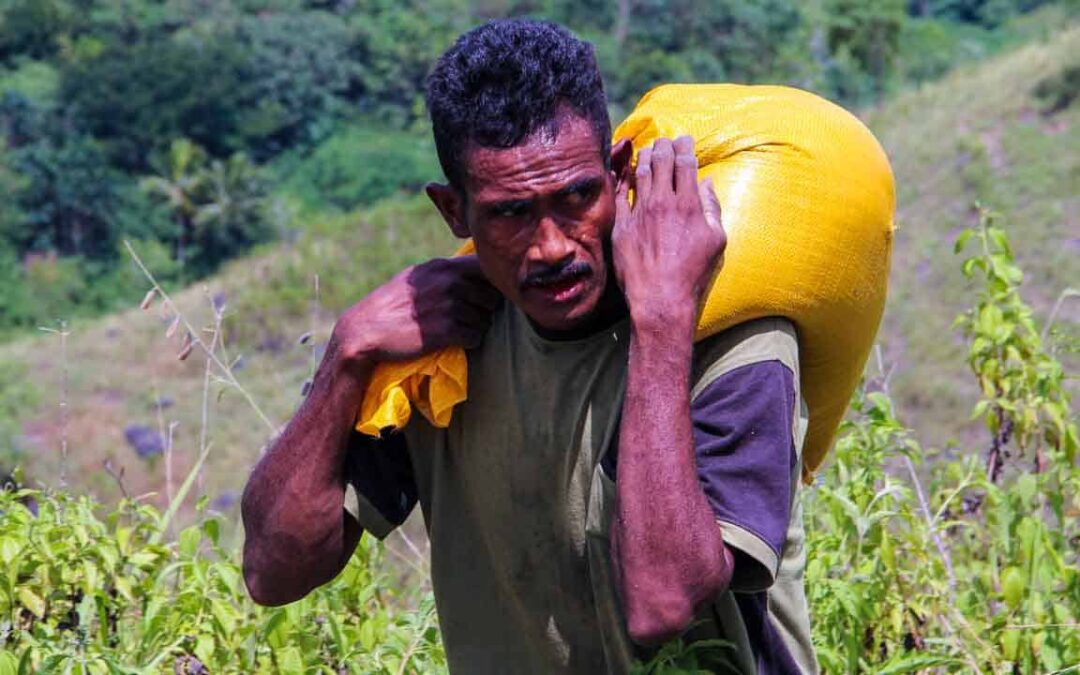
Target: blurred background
pixel 265 160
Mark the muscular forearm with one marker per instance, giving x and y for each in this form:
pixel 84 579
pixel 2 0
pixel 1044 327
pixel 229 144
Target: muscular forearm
pixel 297 536
pixel 667 547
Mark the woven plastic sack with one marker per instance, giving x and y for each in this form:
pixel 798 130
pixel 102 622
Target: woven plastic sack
pixel 807 196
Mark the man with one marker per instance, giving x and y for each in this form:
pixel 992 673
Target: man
pixel 608 485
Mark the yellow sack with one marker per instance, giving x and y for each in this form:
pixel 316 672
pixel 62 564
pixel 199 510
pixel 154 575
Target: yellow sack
pixel 807 196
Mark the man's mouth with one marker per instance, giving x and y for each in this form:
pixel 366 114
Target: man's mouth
pixel 561 286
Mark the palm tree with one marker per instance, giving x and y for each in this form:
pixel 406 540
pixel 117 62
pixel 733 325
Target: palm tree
pixel 181 185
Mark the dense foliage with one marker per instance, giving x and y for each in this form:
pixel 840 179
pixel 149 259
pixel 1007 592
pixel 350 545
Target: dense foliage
pixel 86 594
pixel 954 560
pixel 317 105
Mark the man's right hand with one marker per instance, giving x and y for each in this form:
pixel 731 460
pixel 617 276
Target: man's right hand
pixel 296 535
pixel 441 303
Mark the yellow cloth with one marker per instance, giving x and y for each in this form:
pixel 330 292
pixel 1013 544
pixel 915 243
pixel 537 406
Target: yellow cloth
pixel 807 196
pixel 435 383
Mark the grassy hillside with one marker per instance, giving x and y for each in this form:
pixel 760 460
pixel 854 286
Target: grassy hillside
pixel 978 134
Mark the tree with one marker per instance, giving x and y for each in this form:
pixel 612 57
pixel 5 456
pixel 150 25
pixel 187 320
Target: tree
pixel 864 38
pixel 233 215
pixel 396 44
pixel 300 73
pixel 70 197
pixel 219 206
pixel 138 97
pixel 180 185
pixel 33 27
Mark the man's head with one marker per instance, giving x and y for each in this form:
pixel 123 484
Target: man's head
pixel 523 135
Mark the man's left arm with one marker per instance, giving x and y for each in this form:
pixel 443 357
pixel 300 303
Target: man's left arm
pixel 669 555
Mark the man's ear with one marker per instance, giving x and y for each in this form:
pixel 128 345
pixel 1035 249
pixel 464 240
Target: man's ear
pixel 451 205
pixel 621 155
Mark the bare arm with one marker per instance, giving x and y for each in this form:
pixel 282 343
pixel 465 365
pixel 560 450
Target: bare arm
pixel 667 548
pixel 298 535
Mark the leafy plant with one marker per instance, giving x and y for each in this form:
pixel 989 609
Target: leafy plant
pixel 958 569
pixel 91 594
pixel 1024 399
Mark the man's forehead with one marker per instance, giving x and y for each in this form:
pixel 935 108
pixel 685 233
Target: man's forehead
pixel 546 160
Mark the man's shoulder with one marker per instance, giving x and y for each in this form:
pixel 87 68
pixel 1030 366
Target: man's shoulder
pixel 767 339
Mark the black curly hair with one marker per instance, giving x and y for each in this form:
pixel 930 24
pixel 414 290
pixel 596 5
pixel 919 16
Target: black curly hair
pixel 507 79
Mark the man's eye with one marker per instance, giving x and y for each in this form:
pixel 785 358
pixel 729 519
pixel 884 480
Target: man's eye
pixel 579 195
pixel 510 210
pixel 575 197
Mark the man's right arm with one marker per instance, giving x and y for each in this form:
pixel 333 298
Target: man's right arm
pixel 297 534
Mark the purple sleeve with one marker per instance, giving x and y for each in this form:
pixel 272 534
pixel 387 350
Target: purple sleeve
pixel 382 474
pixel 743 423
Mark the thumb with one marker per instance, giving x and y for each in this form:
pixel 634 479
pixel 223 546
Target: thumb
pixel 710 204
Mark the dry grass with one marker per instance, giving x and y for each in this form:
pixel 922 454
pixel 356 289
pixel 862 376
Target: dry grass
pixel 121 364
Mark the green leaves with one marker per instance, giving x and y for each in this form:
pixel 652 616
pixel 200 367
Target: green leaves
pixel 1024 400
pixel 95 595
pixel 1012 587
pixel 966 567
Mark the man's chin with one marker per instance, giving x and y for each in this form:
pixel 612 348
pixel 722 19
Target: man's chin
pixel 554 318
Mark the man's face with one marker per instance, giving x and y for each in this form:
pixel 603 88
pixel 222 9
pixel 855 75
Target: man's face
pixel 540 214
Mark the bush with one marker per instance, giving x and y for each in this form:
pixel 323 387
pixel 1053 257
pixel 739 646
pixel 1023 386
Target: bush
pixel 965 568
pixel 1059 91
pixel 111 595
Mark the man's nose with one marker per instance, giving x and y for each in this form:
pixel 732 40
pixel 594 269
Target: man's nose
pixel 550 244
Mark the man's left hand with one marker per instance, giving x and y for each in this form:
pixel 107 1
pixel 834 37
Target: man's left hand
pixel 666 244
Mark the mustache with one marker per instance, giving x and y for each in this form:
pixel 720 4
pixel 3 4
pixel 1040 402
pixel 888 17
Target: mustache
pixel 553 275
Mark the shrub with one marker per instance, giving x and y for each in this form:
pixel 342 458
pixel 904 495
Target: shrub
pixel 1059 91
pixel 108 594
pixel 963 568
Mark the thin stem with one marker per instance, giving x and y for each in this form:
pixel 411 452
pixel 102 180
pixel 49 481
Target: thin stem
pixel 1065 295
pixel 946 557
pixel 166 437
pixel 198 341
pixel 421 559
pixel 63 404
pixel 117 476
pixel 412 647
pixel 63 333
pixel 205 421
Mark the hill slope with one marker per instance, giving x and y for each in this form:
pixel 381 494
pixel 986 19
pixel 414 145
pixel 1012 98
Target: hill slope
pixel 978 134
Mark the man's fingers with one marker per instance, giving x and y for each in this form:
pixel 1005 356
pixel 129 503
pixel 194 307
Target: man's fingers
pixel 622 201
pixel 643 174
pixel 663 161
pixel 469 315
pixel 710 204
pixel 685 165
pixel 482 295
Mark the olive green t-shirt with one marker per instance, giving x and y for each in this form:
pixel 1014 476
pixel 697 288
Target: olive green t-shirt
pixel 518 494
